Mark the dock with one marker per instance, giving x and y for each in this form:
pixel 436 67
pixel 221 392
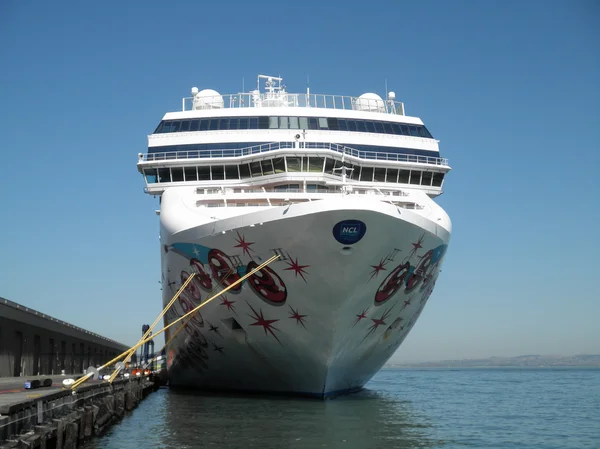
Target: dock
pixel 61 418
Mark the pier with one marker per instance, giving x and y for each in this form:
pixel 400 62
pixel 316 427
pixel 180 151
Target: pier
pixel 60 418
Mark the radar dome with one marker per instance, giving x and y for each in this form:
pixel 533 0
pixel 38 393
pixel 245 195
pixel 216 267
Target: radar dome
pixel 370 102
pixel 208 99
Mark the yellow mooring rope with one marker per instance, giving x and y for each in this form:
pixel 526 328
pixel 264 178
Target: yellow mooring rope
pixel 141 342
pixel 229 273
pixel 167 307
pixel 87 376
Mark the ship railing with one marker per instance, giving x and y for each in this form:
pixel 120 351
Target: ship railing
pixel 264 148
pixel 291 100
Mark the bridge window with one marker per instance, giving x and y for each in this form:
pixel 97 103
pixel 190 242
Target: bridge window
pixel 190 174
pixel 244 171
pixel 316 164
pixel 279 165
pixel 194 125
pixel 151 175
pixel 437 179
pixel 294 123
pixel 255 169
pixel 366 174
pixel 379 175
pixel 267 167
pixel 392 175
pixel 204 173
pixel 426 178
pixel 218 172
pixel 403 176
pixel 177 174
pixel 415 177
pixel 293 164
pixel 164 175
pixel 231 172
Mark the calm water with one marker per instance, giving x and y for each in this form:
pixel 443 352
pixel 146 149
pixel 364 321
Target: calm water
pixel 500 408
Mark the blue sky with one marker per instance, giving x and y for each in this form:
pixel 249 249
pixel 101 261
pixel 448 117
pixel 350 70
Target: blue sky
pixel 509 88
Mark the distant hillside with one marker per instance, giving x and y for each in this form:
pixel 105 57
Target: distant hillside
pixel 583 360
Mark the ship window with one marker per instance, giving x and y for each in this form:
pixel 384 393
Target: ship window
pixel 224 123
pixel 378 127
pixel 190 173
pixel 159 128
pixel 234 123
pixel 214 124
pixel 294 123
pixel 403 176
pixel 150 174
pixel 293 163
pixel 387 127
pixel 405 130
pixel 253 122
pixel 366 174
pixel 342 125
pixel 426 178
pixel 303 122
pixel 360 126
pixel 392 175
pixel 267 167
pixel 244 121
pixel 323 123
pixel 396 128
pixel 204 124
pixel 287 188
pixel 333 123
pixel 413 131
pixel 244 171
pixel 204 173
pixel 437 179
pixel 231 172
pixel 316 164
pixel 380 174
pixel 279 165
pixel 351 125
pixel 255 169
pixel 284 122
pixel 194 124
pixel 177 174
pixel 263 122
pixel 164 175
pixel 329 164
pixel 415 177
pixel 312 123
pixel 369 126
pixel 273 122
pixel 185 125
pixel 218 172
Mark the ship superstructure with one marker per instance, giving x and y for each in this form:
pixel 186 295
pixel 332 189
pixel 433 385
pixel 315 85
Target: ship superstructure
pixel 341 188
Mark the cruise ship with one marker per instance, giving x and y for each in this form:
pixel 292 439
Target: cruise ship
pixel 340 188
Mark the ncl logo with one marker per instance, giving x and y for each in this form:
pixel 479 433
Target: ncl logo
pixel 349 232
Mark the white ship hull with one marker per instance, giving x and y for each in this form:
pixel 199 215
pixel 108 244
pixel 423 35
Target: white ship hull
pixel 327 316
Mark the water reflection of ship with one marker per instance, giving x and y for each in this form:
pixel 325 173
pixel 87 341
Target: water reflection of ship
pixel 365 420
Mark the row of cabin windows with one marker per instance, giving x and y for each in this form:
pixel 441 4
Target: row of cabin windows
pixel 292 164
pixel 279 122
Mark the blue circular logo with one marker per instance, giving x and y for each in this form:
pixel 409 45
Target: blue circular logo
pixel 349 232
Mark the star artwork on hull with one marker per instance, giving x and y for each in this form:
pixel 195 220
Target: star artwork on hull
pixel 260 320
pixel 297 268
pixel 295 315
pixel 378 322
pixel 229 304
pixel 361 316
pixel 243 244
pixel 377 268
